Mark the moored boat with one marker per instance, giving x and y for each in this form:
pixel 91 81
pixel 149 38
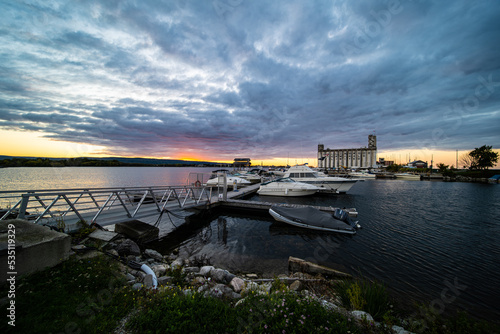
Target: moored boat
pixel 315 219
pixel 332 184
pixel 407 176
pixel 287 187
pixel 231 181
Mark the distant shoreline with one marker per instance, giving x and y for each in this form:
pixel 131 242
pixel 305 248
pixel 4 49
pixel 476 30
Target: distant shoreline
pixel 7 161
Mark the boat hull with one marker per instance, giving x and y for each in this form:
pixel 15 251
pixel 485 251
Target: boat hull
pixel 281 218
pixel 286 192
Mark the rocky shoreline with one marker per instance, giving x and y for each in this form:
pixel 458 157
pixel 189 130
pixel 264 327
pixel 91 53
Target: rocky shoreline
pixel 198 276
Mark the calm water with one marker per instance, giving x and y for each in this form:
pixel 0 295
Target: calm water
pixel 418 237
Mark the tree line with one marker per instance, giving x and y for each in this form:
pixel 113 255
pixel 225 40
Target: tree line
pixel 74 162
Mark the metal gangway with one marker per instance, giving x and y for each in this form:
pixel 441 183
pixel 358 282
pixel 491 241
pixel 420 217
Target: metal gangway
pixel 66 208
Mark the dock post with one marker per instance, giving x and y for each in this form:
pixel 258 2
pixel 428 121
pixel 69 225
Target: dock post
pixel 24 205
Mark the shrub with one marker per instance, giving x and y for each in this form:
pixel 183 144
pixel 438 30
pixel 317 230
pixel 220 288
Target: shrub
pixel 371 297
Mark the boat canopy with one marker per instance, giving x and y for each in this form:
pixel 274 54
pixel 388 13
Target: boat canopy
pixel 312 217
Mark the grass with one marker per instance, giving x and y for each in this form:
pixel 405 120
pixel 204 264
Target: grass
pixel 174 311
pixel 371 297
pixel 86 296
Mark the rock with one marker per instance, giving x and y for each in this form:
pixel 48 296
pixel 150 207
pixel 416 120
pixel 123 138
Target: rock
pixel 296 286
pixel 159 269
pixel 205 270
pixel 223 291
pixel 113 252
pixel 400 330
pixel 177 264
pixel 188 292
pixel 362 315
pixel 140 275
pixel 137 286
pixel 164 280
pixel 130 277
pixel 252 276
pixel 153 254
pixel 221 276
pixel 198 280
pixel 249 286
pixel 261 289
pixel 128 247
pixel 299 265
pixel 191 270
pixel 329 306
pixel 237 284
pixel 148 281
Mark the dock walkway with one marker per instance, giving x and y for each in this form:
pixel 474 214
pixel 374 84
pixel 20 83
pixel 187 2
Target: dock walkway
pixel 108 206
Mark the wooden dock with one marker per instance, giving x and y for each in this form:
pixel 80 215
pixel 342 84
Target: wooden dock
pixel 234 201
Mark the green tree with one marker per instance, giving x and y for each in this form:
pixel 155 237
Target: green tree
pixel 483 157
pixel 442 167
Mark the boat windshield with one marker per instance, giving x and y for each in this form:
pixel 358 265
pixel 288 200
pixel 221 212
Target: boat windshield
pixel 283 179
pixel 304 175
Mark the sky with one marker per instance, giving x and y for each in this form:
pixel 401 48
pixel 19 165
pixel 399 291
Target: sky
pixel 267 80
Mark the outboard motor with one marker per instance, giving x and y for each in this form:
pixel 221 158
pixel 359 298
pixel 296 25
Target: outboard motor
pixel 344 216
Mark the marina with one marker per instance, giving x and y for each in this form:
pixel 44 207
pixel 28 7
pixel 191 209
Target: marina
pixel 416 236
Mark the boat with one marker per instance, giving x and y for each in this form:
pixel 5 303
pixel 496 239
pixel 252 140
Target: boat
pixel 231 181
pixel 252 177
pixel 314 219
pixel 331 184
pixel 362 175
pixel 287 187
pixel 407 176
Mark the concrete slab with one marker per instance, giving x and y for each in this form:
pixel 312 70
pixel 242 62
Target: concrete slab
pixel 137 230
pixel 103 235
pixel 26 247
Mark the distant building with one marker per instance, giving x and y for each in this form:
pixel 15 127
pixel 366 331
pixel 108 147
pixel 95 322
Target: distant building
pixel 384 162
pixel 242 162
pixel 365 157
pixel 417 164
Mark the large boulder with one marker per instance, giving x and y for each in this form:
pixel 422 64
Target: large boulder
pixel 237 284
pixel 221 276
pixel 154 255
pixel 128 247
pixel 205 270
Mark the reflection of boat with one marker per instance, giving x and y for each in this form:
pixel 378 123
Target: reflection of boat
pixel 286 187
pixel 303 173
pixel 315 219
pixel 407 176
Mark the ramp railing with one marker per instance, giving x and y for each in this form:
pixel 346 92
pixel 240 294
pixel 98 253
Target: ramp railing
pixel 89 205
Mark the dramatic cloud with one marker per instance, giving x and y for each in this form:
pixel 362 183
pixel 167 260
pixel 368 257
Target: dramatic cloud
pixel 252 78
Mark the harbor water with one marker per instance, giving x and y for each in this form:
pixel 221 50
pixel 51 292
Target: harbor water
pixel 430 242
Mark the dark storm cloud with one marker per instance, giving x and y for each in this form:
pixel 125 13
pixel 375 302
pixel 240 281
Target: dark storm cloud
pixel 251 77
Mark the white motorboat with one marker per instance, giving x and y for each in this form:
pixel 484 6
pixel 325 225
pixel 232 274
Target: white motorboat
pixel 362 175
pixel 231 181
pixel 407 176
pixel 252 177
pixel 333 184
pixel 287 187
pixel 315 219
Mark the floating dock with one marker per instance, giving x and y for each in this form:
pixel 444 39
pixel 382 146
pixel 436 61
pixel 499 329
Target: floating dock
pixel 67 208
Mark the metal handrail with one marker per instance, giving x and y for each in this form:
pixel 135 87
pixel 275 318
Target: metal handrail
pixel 94 201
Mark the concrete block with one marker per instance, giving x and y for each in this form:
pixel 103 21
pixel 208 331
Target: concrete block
pixel 137 230
pixel 33 247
